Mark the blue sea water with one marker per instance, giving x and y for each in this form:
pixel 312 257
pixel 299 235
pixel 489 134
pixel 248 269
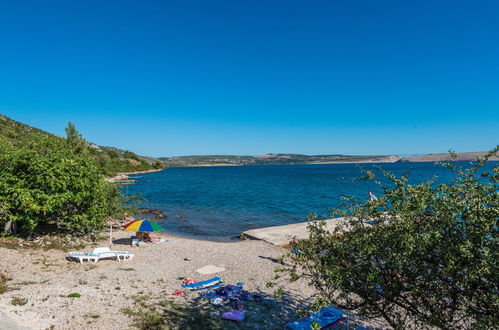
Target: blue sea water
pixel 221 202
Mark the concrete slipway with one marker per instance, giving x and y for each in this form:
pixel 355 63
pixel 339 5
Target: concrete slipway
pixel 7 323
pixel 282 235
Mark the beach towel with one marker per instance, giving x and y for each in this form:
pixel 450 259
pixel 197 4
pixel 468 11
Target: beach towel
pixel 326 317
pixel 203 284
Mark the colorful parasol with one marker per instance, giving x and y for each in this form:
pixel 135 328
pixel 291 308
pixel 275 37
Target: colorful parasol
pixel 143 225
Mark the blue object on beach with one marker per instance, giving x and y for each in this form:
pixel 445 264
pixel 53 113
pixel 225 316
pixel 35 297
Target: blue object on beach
pixel 326 317
pixel 208 288
pixel 233 315
pixel 203 284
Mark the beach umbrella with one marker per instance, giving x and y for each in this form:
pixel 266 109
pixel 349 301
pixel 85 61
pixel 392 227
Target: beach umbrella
pixel 143 225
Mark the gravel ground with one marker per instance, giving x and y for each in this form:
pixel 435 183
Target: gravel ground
pixel 46 278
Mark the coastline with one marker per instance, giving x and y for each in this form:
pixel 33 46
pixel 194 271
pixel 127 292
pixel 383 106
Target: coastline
pixel 310 163
pixel 124 178
pixel 424 158
pixel 142 172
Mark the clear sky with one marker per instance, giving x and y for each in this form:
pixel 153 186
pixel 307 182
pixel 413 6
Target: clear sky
pixel 164 78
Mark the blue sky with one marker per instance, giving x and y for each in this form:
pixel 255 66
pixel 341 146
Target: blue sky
pixel 165 78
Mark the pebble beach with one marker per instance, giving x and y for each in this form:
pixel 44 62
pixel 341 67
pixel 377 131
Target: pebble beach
pixel 61 294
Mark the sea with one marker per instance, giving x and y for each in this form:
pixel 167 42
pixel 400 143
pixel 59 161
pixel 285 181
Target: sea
pixel 220 202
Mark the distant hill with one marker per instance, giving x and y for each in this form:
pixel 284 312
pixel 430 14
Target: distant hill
pixel 462 156
pixel 114 160
pixel 273 159
pixel 283 159
pixel 111 160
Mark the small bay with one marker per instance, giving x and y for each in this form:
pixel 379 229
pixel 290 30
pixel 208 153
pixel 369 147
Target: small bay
pixel 220 202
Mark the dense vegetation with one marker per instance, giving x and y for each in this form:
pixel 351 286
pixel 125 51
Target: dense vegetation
pixel 46 182
pixel 421 256
pixel 52 182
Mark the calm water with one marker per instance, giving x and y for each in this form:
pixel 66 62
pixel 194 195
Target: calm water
pixel 220 202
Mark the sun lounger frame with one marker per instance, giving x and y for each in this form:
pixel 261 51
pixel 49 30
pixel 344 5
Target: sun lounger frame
pixel 101 253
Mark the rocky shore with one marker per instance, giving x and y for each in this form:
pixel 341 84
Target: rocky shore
pixel 124 178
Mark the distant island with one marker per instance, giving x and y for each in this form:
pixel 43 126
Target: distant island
pixel 289 159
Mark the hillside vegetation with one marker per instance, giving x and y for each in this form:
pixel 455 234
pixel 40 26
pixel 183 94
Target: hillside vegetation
pixel 54 184
pixel 109 160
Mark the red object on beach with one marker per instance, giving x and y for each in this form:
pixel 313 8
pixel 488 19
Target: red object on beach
pixel 187 282
pixel 177 293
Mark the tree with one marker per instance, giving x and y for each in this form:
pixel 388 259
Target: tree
pixel 75 140
pixel 158 164
pixel 46 182
pixel 421 256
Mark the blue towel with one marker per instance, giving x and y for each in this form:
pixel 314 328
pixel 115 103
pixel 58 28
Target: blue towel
pixel 203 284
pixel 325 317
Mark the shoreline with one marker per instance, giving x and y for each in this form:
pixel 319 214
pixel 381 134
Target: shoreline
pixel 329 163
pixel 142 172
pixel 124 177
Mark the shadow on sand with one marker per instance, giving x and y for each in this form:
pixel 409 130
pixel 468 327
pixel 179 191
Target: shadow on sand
pixel 199 313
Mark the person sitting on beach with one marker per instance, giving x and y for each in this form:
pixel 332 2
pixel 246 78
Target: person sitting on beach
pixel 140 235
pixel 148 237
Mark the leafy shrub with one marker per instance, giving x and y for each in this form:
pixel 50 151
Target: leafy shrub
pixel 421 256
pixel 48 182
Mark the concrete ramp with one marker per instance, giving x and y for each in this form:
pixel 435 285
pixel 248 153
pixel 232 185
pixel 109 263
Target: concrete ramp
pixel 282 235
pixel 7 323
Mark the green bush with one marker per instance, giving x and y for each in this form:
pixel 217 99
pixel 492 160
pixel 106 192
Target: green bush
pixel 49 182
pixel 158 164
pixel 421 256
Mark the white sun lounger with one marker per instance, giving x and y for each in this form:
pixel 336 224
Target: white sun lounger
pixel 138 242
pixel 100 253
